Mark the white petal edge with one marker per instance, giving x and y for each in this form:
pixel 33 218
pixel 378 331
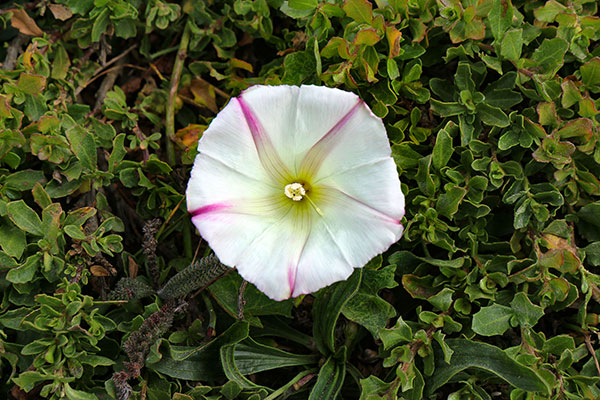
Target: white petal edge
pixel 228 139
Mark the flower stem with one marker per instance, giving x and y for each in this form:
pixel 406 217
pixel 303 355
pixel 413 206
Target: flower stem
pixel 175 75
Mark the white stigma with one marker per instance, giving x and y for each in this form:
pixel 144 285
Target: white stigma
pixel 294 191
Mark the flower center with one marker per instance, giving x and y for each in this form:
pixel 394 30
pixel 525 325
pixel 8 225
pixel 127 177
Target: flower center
pixel 294 191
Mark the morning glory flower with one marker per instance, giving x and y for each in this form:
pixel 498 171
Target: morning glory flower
pixel 295 187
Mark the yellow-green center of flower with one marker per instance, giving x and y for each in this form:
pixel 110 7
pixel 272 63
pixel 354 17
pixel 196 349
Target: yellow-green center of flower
pixel 294 191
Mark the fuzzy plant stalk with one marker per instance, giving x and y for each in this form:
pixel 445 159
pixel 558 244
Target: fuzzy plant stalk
pixel 198 275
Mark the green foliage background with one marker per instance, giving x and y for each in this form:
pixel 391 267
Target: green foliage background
pixel 491 108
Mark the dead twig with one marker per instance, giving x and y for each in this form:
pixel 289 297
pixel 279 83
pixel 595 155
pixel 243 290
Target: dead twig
pixel 107 83
pixel 13 51
pixel 99 72
pixel 588 344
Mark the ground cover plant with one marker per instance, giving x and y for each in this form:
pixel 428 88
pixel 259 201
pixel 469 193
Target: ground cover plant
pixel 491 108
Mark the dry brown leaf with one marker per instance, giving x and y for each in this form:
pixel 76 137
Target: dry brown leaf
pixel 98 270
pixel 24 23
pixel 133 267
pixel 189 135
pixel 60 12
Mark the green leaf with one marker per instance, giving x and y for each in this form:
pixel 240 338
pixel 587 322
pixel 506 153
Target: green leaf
pixel 470 354
pixel 226 292
pixel 7 261
pixel 502 98
pixel 447 109
pixel 549 11
pixel 442 150
pixel 525 311
pixel 252 357
pixel 31 84
pixel 592 253
pixel 492 115
pixel 298 67
pixel 12 239
pixel 500 18
pixel 492 320
pixel 61 63
pixel 330 380
pixel 100 24
pixel 198 363
pixel 118 152
pixel 511 45
pixel 372 387
pixel 73 394
pixel 549 56
pixel 368 310
pixel 83 146
pixel 327 307
pixel 231 370
pixel 74 232
pixel 26 271
pixel 231 390
pixel 424 178
pixel 589 221
pixel 400 333
pixel 448 202
pixel 95 360
pixel 590 74
pixel 571 94
pixel 28 379
pixel 303 4
pixel 442 300
pixel 24 217
pixel 24 179
pixel 359 10
pixel 365 307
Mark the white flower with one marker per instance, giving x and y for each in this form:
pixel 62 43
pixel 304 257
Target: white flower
pixel 295 187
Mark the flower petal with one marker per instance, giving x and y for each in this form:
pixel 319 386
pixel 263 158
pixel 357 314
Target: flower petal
pixel 347 235
pixel 267 153
pixel 231 210
pixel 271 260
pixel 375 184
pixel 213 182
pixel 229 141
pixel 321 263
pixel 351 135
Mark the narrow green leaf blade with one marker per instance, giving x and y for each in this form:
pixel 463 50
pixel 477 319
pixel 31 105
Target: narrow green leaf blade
pixel 327 308
pixel 470 354
pixel 330 381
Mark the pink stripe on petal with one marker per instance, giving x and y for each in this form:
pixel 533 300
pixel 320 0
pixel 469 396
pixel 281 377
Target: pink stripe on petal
pixel 267 154
pixel 314 158
pixel 208 209
pixel 292 277
pixel 345 196
pixel 250 119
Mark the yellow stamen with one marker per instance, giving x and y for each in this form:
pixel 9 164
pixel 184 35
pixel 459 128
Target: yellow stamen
pixel 317 209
